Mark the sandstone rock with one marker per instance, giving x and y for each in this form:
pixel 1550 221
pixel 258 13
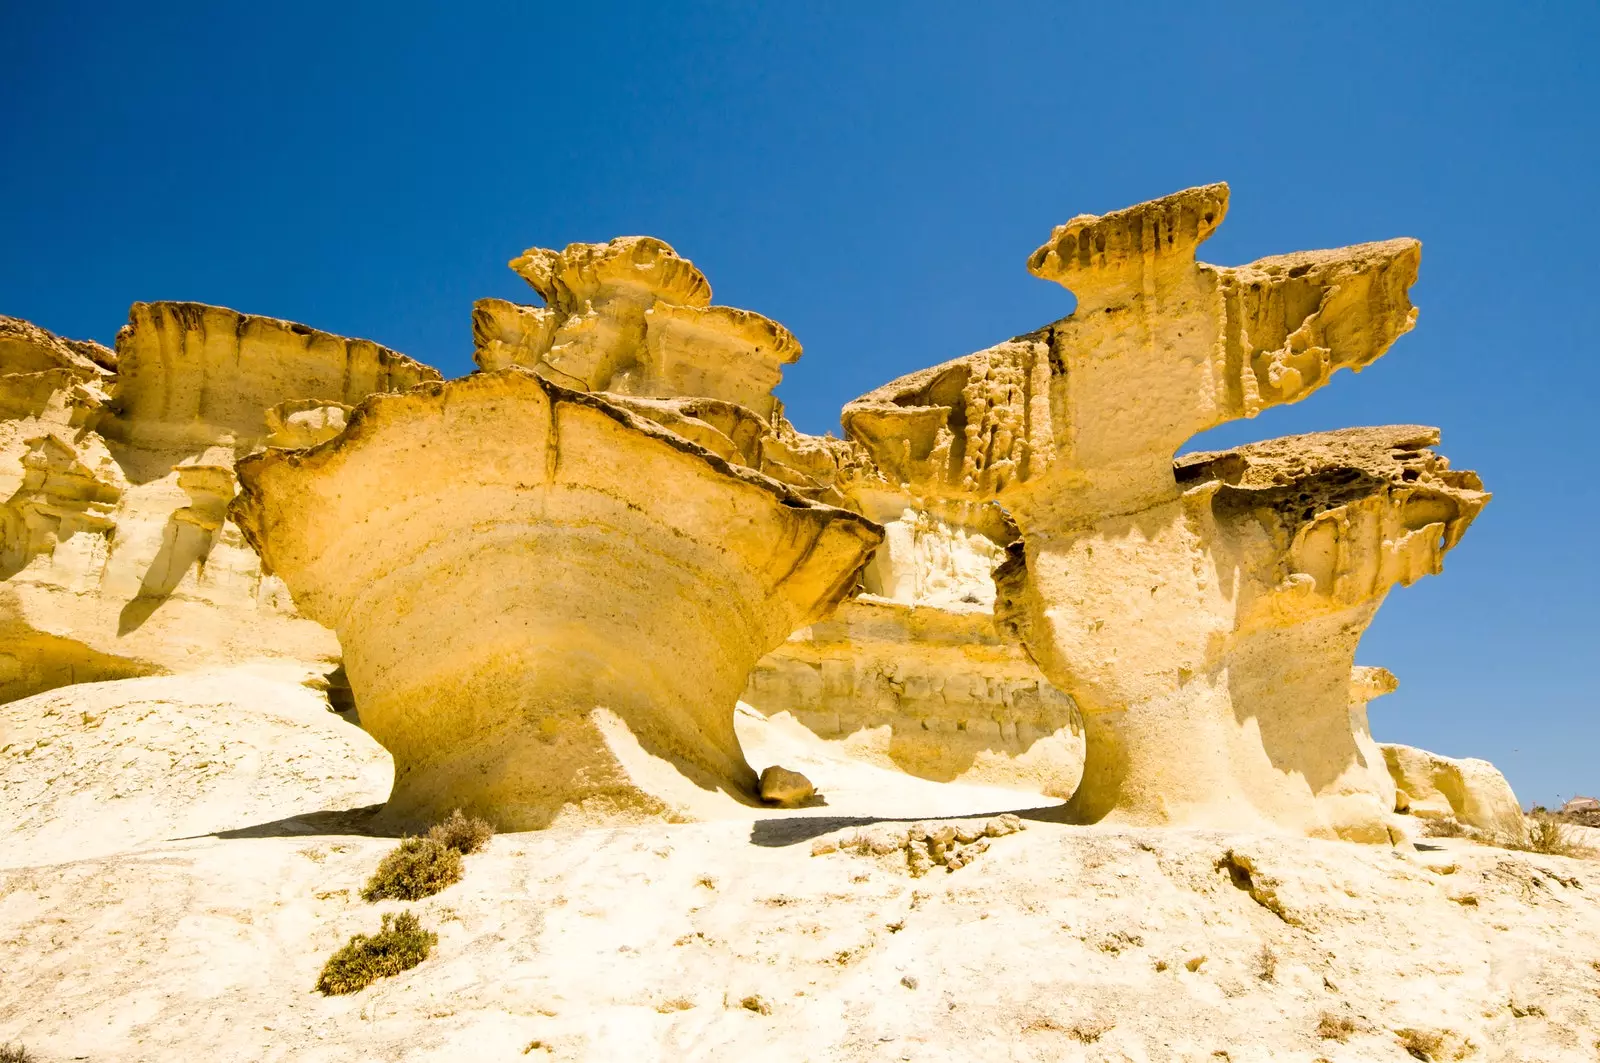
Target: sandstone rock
pixel 631 317
pixel 115 475
pixel 565 629
pixel 1581 804
pixel 112 766
pixel 785 788
pixel 1204 615
pixel 932 692
pixel 1367 683
pixel 1472 791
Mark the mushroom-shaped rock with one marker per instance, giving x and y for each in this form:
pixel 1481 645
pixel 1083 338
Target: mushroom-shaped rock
pixel 1210 648
pixel 547 604
pixel 1472 791
pixel 1088 411
pixel 630 317
pixel 1178 602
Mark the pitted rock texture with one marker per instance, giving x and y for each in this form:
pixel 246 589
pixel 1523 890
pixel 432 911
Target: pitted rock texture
pixel 1203 614
pixel 547 604
pixel 633 318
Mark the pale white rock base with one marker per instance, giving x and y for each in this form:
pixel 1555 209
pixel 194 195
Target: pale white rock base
pixel 644 942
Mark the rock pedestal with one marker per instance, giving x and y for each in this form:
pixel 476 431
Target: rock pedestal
pixel 547 604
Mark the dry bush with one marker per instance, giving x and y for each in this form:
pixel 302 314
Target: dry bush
pixel 1443 827
pixel 1335 1027
pixel 399 946
pixel 1551 837
pixel 464 834
pixel 1266 964
pixel 419 868
pixel 10 1053
pixel 1422 1044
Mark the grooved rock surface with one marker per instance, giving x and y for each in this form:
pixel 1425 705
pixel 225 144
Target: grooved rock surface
pixel 1203 614
pixel 106 767
pixel 116 470
pixel 548 605
pixel 928 691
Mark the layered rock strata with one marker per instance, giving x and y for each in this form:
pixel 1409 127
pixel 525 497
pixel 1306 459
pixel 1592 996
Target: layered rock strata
pixel 633 318
pixel 548 605
pixel 116 470
pixel 1204 616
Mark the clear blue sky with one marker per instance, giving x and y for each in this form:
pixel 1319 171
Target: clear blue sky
pixel 874 176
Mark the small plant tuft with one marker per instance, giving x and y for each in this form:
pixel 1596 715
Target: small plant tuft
pixel 1335 1027
pixel 419 868
pixel 464 834
pixel 1443 827
pixel 399 946
pixel 1267 964
pixel 10 1053
pixel 1549 836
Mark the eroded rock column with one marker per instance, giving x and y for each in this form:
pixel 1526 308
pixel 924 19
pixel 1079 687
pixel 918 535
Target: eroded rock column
pixel 548 605
pixel 1204 617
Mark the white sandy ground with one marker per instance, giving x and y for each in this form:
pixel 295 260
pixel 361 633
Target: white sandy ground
pixel 642 943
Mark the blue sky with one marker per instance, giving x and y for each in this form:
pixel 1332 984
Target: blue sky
pixel 874 176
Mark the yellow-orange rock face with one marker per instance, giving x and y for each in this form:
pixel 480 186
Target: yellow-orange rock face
pixel 1204 616
pixel 116 470
pixel 548 605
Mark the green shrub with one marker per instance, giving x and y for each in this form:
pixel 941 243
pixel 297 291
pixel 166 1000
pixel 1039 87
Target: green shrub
pixel 419 868
pixel 399 946
pixel 464 834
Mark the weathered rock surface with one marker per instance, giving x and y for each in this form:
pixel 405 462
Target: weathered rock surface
pixel 632 317
pixel 110 767
pixel 116 471
pixel 565 630
pixel 1057 943
pixel 1471 791
pixel 932 692
pixel 784 788
pixel 1203 616
pixel 1367 683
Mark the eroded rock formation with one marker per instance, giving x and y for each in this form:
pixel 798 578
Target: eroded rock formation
pixel 116 470
pixel 548 605
pixel 1204 615
pixel 632 317
pixel 1471 791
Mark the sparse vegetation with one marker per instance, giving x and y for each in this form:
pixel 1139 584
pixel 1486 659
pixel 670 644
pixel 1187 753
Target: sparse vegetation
pixel 1267 964
pixel 10 1053
pixel 1091 1030
pixel 419 867
pixel 1333 1027
pixel 1422 1044
pixel 399 946
pixel 1550 836
pixel 1443 827
pixel 464 834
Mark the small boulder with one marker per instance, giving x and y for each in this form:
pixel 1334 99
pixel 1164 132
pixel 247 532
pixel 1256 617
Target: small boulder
pixel 1581 804
pixel 785 788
